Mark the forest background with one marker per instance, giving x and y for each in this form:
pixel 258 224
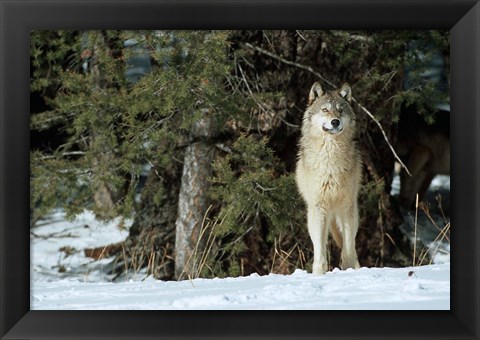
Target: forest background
pixel 193 134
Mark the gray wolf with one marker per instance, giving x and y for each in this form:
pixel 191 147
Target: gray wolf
pixel 328 174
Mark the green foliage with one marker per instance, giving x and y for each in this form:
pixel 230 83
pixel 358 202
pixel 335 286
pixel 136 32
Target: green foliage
pixel 56 183
pixel 254 193
pixel 375 62
pixel 369 196
pixel 118 125
pixel 250 187
pixel 51 52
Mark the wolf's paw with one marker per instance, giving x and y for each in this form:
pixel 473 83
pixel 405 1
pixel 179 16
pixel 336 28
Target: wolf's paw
pixel 350 263
pixel 318 269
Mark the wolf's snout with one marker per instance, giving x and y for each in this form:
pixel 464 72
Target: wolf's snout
pixel 335 123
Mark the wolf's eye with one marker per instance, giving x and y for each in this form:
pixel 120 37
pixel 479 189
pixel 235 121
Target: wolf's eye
pixel 340 109
pixel 324 110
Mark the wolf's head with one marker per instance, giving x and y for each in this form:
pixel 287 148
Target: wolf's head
pixel 329 112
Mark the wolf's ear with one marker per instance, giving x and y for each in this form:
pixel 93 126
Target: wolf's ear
pixel 315 92
pixel 346 92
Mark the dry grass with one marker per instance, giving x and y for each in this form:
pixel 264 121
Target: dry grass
pixel 144 254
pixel 429 252
pixel 100 257
pixel 203 251
pixel 286 261
pixel 415 237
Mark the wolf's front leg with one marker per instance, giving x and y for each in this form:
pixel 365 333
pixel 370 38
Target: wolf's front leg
pixel 349 226
pixel 317 228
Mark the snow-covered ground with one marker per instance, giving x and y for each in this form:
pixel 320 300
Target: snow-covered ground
pixel 63 278
pixel 428 287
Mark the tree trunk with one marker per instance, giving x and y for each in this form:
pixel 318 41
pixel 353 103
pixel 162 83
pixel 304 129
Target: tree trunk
pixel 192 202
pixel 106 195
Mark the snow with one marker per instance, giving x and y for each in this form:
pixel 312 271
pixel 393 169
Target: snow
pixel 61 281
pixel 365 289
pixel 438 182
pixel 50 263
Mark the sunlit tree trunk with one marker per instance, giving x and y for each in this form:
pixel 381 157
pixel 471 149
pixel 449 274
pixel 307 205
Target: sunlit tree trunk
pixel 192 203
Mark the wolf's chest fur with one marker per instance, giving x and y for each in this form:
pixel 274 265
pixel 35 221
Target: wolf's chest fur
pixel 325 168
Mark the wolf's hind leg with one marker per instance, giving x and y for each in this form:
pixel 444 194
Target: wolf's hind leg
pixel 318 231
pixel 349 225
pixel 336 234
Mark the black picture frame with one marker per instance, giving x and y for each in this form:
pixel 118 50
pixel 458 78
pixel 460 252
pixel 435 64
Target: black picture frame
pixel 19 17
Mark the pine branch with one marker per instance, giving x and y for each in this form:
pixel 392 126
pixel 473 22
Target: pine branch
pixel 63 154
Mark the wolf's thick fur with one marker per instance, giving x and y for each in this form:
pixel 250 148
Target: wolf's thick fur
pixel 328 174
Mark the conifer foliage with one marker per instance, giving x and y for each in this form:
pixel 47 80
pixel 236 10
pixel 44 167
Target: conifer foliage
pixel 193 135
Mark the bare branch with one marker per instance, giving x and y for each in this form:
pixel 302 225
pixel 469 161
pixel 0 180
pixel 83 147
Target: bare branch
pixel 63 154
pixel 288 62
pixel 249 90
pixel 384 134
pixel 300 35
pixel 352 37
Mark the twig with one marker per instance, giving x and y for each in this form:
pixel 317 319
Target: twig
pixel 287 255
pixel 274 254
pixel 446 228
pixel 415 239
pixel 57 235
pixel 193 255
pixel 301 256
pixel 249 90
pixel 439 236
pixel 352 37
pixel 438 198
pixel 318 75
pixel 393 73
pixel 63 154
pixel 88 272
pixel 264 189
pixel 155 170
pixel 427 213
pixel 300 35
